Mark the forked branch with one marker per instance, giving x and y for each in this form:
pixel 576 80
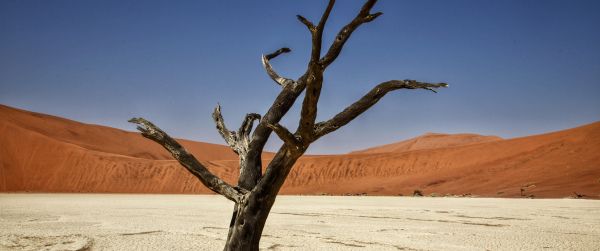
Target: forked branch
pixel 186 159
pixel 317 32
pixel 364 16
pixel 368 100
pixel 240 143
pixel 240 140
pixel 317 65
pixel 314 76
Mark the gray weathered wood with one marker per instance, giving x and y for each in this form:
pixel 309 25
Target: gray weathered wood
pixel 256 192
pixel 314 74
pixel 271 72
pixel 188 161
pixel 285 135
pixel 368 100
pixel 240 142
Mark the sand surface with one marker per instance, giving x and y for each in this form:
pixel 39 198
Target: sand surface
pixel 198 222
pixel 430 141
pixel 43 153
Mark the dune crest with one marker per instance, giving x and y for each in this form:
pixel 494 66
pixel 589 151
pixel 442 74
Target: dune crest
pixel 431 141
pixel 43 153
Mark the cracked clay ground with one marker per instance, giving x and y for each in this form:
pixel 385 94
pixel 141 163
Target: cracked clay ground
pixel 198 222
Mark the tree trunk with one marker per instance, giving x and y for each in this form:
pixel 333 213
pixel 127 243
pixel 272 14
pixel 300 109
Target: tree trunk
pixel 251 212
pixel 247 223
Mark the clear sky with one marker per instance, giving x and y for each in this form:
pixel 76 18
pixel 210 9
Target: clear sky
pixel 515 67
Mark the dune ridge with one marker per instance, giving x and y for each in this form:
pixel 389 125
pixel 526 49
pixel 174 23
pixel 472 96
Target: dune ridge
pixel 430 141
pixel 43 153
pixel 556 164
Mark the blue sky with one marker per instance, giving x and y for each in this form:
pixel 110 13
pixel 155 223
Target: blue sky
pixel 515 67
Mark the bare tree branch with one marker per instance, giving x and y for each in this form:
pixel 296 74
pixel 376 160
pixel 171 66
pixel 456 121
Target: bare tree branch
pixel 187 160
pixel 314 80
pixel 230 137
pixel 317 35
pixel 240 143
pixel 244 134
pixel 277 53
pixel 255 193
pixel 285 135
pixel 267 65
pixel 317 32
pixel 368 100
pixel 240 140
pixel 282 104
pixel 308 24
pixel 246 127
pixel 325 16
pixel 308 114
pixel 363 16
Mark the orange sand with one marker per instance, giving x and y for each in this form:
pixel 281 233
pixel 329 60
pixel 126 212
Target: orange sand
pixel 42 153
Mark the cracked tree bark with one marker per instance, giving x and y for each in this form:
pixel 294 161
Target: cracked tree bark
pixel 255 192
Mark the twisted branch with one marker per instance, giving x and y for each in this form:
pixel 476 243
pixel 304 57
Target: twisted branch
pixel 368 100
pixel 267 65
pixel 187 160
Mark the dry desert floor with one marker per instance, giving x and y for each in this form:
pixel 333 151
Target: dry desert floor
pixel 198 222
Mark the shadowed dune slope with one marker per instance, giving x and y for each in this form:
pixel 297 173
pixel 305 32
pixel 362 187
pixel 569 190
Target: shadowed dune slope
pixel 42 153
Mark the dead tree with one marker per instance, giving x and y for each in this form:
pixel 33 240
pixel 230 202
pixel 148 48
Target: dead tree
pixel 255 192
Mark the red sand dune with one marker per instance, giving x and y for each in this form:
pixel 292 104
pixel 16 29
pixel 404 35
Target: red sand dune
pixel 42 153
pixel 431 141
